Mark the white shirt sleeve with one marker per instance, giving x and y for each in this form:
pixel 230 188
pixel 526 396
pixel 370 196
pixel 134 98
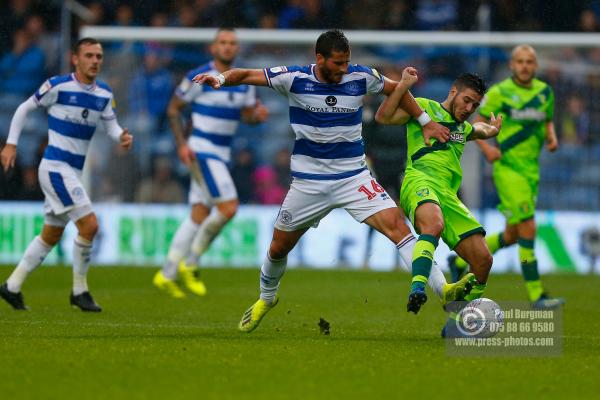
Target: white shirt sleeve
pixel 113 129
pixel 46 95
pixel 280 79
pixel 18 120
pixel 375 81
pixel 109 111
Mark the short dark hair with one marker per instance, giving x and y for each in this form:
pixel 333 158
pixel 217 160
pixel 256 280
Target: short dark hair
pixel 470 81
pixel 330 41
pixel 82 41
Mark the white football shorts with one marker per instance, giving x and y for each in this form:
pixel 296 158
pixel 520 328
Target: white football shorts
pixel 216 186
pixel 308 201
pixel 65 197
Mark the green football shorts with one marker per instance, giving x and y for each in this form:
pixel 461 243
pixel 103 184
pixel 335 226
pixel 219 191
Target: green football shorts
pixel 517 193
pixel 459 222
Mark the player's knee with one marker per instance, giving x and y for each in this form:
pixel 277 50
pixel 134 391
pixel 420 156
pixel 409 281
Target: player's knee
pixel 89 229
pixel 229 211
pixel 434 228
pixel 51 236
pixel 278 250
pixel 510 238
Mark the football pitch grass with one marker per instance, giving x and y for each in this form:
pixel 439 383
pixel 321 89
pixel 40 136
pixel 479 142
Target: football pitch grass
pixel 145 345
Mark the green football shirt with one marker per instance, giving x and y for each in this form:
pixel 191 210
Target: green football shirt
pixel 525 112
pixel 442 160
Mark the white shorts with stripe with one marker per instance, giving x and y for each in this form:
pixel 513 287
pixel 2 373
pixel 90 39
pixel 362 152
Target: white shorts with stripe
pixel 216 184
pixel 308 201
pixel 65 197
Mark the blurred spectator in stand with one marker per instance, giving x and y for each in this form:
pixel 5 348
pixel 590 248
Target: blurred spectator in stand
pixel 21 74
pixel 12 16
pixel 149 93
pixel 22 70
pixel 435 15
pixel 575 123
pixel 282 168
pixel 161 187
pixel 119 177
pixel 397 16
pixel 242 171
pixel 266 188
pixel 49 42
pixel 588 21
pixel 187 56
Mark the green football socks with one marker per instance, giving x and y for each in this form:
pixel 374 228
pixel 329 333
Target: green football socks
pixel 529 268
pixel 422 260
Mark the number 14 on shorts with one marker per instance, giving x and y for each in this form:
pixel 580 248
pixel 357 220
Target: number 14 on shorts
pixel 371 194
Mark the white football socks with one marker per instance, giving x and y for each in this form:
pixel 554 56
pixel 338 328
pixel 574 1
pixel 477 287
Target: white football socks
pixel 209 229
pixel 437 280
pixel 180 246
pixel 270 275
pixel 34 255
pixel 82 250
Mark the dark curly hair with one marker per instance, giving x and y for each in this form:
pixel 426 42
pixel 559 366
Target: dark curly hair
pixel 330 41
pixel 470 81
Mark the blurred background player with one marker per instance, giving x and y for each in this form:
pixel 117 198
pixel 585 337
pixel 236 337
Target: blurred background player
pixel 215 118
pixel 77 104
pixel 432 179
pixel 527 106
pixel 328 161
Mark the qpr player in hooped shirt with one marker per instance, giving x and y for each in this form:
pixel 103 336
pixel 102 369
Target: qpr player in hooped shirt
pixel 328 161
pixel 76 104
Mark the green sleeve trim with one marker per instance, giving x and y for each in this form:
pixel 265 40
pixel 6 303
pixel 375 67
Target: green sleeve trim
pixel 427 201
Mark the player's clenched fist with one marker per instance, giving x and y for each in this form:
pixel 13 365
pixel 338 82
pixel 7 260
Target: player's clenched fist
pixel 126 139
pixel 409 75
pixel 8 156
pixel 186 155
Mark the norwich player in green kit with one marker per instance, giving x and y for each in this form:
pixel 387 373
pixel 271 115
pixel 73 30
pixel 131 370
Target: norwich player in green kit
pixel 527 106
pixel 432 179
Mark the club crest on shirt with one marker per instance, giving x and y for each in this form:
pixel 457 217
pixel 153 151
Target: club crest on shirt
pixel 423 192
pixel 77 192
pixel 285 217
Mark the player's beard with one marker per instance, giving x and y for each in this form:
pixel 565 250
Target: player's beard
pixel 329 76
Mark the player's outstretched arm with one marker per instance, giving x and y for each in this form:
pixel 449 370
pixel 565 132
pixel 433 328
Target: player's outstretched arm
pixel 389 112
pixel 9 152
pixel 233 77
pixel 483 131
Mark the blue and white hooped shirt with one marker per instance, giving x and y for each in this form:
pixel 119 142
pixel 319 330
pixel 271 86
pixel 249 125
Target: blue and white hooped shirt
pixel 326 119
pixel 216 113
pixel 74 112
